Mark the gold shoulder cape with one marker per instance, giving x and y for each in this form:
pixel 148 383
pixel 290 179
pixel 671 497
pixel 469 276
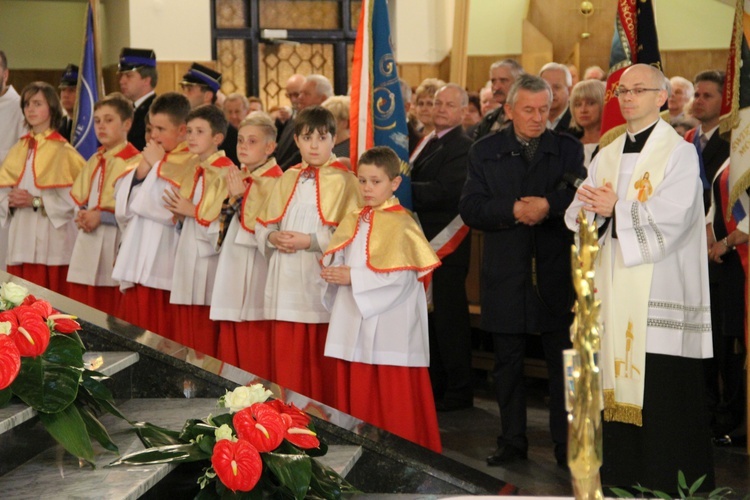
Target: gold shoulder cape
pixel 56 162
pixel 213 170
pixel 114 163
pixel 260 184
pixel 178 165
pixel 336 188
pixel 394 243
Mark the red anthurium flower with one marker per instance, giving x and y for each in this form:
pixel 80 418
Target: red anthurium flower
pixel 10 361
pixel 299 417
pixel 43 307
pixel 30 299
pixel 261 425
pixel 238 465
pixel 32 335
pixel 10 317
pixel 302 437
pixel 64 323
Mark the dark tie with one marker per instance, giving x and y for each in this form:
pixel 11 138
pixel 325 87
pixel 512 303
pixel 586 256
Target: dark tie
pixel 528 150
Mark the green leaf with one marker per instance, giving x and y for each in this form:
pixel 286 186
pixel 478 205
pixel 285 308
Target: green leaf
pixel 681 482
pixel 49 383
pixel 620 493
pixel 224 418
pixel 100 394
pixel 177 453
pixel 153 436
pixel 292 471
pixel 194 427
pixel 5 396
pixel 721 492
pixel 69 429
pixel 697 484
pixel 326 482
pixel 318 452
pixel 97 431
pixel 65 351
pixel 663 495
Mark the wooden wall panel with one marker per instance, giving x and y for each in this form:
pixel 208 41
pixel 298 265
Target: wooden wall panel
pixel 688 63
pixel 414 73
pixel 537 48
pixel 19 78
pixel 546 16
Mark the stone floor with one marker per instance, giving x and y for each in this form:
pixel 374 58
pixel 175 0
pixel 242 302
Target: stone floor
pixel 469 436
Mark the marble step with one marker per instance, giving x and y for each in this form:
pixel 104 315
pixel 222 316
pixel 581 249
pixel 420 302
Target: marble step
pixel 54 474
pixel 111 363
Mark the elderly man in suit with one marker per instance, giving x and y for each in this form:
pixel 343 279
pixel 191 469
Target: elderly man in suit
pixel 517 195
pixel 437 176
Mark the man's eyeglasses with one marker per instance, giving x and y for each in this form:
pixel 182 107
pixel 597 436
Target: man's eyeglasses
pixel 292 95
pixel 622 91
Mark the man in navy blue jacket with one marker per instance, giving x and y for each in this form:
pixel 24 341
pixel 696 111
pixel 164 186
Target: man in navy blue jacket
pixel 517 190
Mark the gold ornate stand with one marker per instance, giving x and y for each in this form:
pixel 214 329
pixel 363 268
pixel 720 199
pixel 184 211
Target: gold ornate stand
pixel 583 380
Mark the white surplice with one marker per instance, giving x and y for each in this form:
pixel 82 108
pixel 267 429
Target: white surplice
pixel 94 253
pixel 668 230
pixel 240 276
pixel 381 318
pixel 43 236
pixel 149 240
pixel 293 288
pixel 195 262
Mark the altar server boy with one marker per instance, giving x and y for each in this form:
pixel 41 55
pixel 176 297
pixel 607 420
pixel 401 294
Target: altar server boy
pixel 35 181
pixel 378 328
pixel 90 271
pixel 294 228
pixel 149 242
pixel 195 205
pixel 237 301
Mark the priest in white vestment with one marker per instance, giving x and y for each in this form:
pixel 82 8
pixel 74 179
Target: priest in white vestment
pixel 644 193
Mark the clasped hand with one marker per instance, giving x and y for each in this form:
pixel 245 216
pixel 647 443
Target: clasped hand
pixel 88 220
pixel 19 198
pixel 289 241
pixel 530 210
pixel 177 204
pixel 600 200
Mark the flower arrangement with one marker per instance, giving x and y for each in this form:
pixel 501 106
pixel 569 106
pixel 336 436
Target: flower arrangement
pixel 41 363
pixel 259 448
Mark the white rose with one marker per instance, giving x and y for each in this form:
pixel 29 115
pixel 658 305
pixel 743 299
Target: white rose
pixel 224 432
pixel 12 293
pixel 244 396
pixel 5 327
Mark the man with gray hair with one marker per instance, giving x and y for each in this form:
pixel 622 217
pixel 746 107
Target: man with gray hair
pixel 560 81
pixel 682 92
pixel 11 129
pixel 502 75
pixel 437 176
pixel 516 193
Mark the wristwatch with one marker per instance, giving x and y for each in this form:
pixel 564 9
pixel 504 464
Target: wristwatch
pixel 36 203
pixel 726 244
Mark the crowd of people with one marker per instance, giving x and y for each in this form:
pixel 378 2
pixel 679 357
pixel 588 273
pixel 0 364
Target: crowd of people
pixel 245 235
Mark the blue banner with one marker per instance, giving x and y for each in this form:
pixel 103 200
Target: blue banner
pixel 83 137
pixel 389 116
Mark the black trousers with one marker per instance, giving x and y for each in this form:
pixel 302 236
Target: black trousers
pixel 450 336
pixel 511 392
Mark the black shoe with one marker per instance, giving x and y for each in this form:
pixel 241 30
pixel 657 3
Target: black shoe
pixel 505 455
pixel 453 405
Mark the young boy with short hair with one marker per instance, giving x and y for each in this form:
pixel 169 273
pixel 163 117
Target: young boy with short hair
pixel 296 224
pixel 237 301
pixel 195 205
pixel 146 259
pixel 90 270
pixel 378 329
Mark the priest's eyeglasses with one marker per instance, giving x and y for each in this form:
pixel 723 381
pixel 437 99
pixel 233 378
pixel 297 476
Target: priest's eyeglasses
pixel 636 92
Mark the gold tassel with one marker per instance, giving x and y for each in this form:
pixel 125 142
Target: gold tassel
pixel 621 412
